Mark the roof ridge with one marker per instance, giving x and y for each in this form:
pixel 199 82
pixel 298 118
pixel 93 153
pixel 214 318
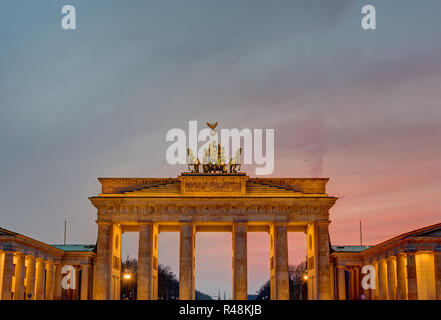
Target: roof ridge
pixel 73 244
pixel 352 245
pixel 152 186
pixel 273 185
pixel 410 233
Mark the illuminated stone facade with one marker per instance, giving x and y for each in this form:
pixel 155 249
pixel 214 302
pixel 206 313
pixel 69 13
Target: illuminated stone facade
pixel 212 202
pixel 407 267
pixel 32 270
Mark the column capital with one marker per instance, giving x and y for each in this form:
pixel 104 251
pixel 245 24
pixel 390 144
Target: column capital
pixel 146 223
pixel 240 222
pixel 392 258
pixel 103 223
pixel 280 222
pixel 322 223
pixel 186 222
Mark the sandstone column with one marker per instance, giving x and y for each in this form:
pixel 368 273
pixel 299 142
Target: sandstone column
pixel 1 273
pixel 186 262
pixel 76 291
pixel 49 280
pixel 57 281
pixel 146 255
pixel 39 279
pixel 85 271
pixel 391 275
pixel 279 262
pixel 412 285
pixel 103 262
pixel 6 274
pixel 115 261
pixel 332 274
pixel 437 258
pixel 93 278
pixel 322 250
pixel 341 283
pixel 30 277
pixel 240 287
pixel 376 293
pixel 351 283
pixel 401 276
pixel 357 283
pixel 19 290
pixel 382 279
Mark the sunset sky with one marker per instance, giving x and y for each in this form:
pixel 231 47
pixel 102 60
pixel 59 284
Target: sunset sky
pixel 360 107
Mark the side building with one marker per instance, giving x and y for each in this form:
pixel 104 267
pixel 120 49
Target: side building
pixel 32 270
pixel 407 267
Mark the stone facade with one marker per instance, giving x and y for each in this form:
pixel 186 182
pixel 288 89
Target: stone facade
pixel 32 270
pixel 407 267
pixel 212 202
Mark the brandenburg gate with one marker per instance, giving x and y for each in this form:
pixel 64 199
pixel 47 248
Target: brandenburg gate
pixel 211 202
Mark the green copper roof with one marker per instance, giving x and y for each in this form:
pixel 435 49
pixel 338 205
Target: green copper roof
pixel 75 247
pixel 350 248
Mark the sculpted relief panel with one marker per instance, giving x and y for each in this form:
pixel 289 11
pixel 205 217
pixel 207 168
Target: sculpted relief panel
pixel 221 209
pixel 213 184
pixel 213 187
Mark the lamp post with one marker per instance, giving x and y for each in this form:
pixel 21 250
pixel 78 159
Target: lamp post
pixel 304 279
pixel 127 277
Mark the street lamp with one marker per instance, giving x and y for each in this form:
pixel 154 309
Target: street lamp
pixel 305 278
pixel 127 277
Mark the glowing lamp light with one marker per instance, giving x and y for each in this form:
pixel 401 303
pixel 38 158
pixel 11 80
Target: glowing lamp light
pixel 127 276
pixel 305 277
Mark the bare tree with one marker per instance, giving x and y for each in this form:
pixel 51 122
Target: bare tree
pixel 168 284
pixel 297 284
